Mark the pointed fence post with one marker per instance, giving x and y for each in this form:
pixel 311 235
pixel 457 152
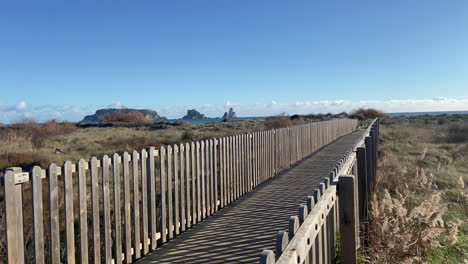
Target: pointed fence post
pixel 348 235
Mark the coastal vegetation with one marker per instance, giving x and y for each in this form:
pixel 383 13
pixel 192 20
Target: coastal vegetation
pixel 419 209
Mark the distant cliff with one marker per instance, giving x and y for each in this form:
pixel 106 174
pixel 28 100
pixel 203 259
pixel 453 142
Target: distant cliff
pixel 194 114
pixel 229 115
pixel 99 115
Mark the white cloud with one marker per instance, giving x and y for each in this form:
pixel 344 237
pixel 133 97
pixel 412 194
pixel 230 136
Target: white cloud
pixel 11 113
pixel 21 106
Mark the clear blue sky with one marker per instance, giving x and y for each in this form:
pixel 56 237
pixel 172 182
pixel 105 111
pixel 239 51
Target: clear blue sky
pixel 159 54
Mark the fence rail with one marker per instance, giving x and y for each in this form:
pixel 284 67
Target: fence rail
pixel 116 209
pixel 338 205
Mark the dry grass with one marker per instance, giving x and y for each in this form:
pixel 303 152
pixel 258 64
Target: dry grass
pixel 126 116
pixel 420 207
pixel 277 122
pixel 368 113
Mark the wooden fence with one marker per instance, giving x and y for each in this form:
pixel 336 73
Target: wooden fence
pixel 337 206
pixel 117 209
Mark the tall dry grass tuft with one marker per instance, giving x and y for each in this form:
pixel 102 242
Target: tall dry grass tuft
pixel 278 122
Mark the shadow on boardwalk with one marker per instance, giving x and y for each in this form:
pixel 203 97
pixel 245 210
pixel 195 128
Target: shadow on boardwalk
pixel 239 232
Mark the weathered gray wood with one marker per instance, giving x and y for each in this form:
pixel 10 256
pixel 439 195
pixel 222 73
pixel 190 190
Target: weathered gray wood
pixel 38 215
pixel 202 177
pixel 282 240
pixel 163 181
pixel 319 238
pixel 194 179
pixel 221 172
pixel 212 179
pixel 229 170
pixel 151 190
pixel 170 206
pixel 93 169
pixel 183 219
pixel 199 208
pixel 13 196
pixel 54 214
pixel 117 208
pixel 83 210
pixel 362 182
pixel 267 257
pixel 225 171
pixel 176 190
pixel 293 226
pixel 144 200
pixel 303 212
pixel 136 206
pixel 348 220
pixel 215 173
pixel 68 201
pixel 106 206
pixel 207 177
pixel 189 185
pixel 127 221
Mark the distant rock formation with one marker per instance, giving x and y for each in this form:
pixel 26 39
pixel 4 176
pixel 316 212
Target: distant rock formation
pixel 2 125
pixel 99 115
pixel 230 115
pixel 194 114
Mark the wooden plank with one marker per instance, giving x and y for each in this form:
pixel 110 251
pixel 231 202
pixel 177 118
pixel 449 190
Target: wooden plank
pixel 215 173
pixel 236 167
pixel 242 155
pixel 188 174
pixel 136 206
pixel 163 181
pixel 202 177
pixel 38 214
pixel 183 219
pixel 106 206
pixel 231 171
pixel 151 172
pixel 93 168
pixel 83 207
pixel 348 236
pixel 221 172
pixel 144 200
pixel 225 171
pixel 117 209
pixel 54 214
pixel 195 209
pixel 13 197
pixel 127 221
pixel 170 206
pixel 68 201
pixel 207 177
pixel 176 190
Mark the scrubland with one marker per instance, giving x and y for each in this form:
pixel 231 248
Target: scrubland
pixel 419 209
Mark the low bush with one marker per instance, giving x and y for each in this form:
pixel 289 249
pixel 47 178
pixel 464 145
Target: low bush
pixel 126 116
pixel 277 122
pixel 457 133
pixel 368 113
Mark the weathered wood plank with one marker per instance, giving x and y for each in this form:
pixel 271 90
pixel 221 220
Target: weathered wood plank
pixel 54 214
pixel 202 177
pixel 68 201
pixel 13 195
pixel 83 213
pixel 117 209
pixel 106 207
pixel 207 177
pixel 170 194
pixel 144 200
pixel 221 172
pixel 93 167
pixel 136 206
pixel 348 236
pixel 188 174
pixel 163 181
pixel 127 221
pixel 199 209
pixel 176 190
pixel 215 171
pixel 38 214
pixel 151 172
pixel 183 219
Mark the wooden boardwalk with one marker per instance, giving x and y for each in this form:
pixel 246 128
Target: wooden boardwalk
pixel 239 232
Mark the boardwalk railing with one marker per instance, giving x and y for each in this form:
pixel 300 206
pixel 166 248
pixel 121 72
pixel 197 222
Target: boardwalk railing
pixel 337 206
pixel 117 209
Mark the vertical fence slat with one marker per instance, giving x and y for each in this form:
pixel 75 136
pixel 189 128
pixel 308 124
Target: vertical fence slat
pixel 83 210
pixel 38 214
pixel 176 190
pixel 189 183
pixel 151 171
pixel 117 208
pixel 14 216
pixel 221 172
pixel 170 206
pixel 215 171
pixel 136 206
pixel 126 190
pixel 212 197
pixel 106 206
pixel 54 215
pixel 68 200
pixel 95 209
pixel 163 182
pixel 183 219
pixel 144 200
pixel 194 179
